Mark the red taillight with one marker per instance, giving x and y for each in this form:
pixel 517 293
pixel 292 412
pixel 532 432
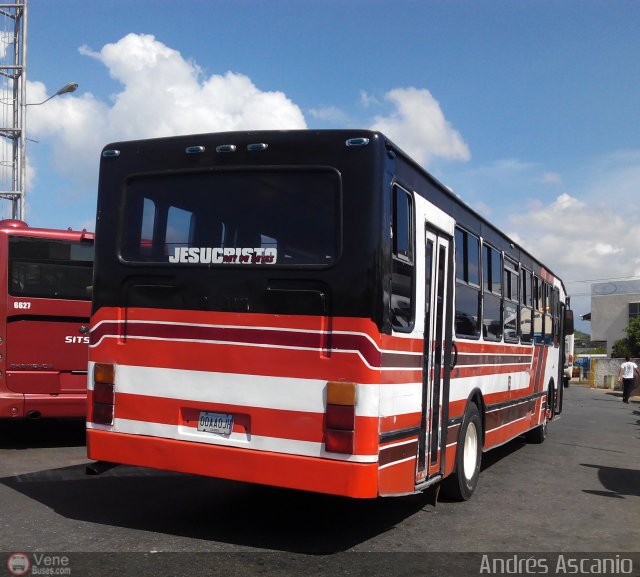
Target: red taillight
pixel 102 414
pixel 340 417
pixel 339 441
pixel 103 394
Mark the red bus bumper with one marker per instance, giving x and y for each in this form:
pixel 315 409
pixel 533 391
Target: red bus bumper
pixel 358 480
pixel 18 405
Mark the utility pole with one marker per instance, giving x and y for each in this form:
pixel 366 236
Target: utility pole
pixel 13 69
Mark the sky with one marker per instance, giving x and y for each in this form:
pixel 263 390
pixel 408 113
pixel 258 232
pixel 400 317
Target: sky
pixel 528 110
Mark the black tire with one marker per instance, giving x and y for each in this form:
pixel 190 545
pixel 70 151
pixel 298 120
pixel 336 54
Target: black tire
pixel 539 434
pixel 462 483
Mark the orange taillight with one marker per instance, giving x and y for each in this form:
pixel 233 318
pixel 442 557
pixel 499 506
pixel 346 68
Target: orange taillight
pixel 103 394
pixel 340 417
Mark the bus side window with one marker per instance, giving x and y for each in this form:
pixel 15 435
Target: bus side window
pixel 526 306
pixel 548 315
pixel 403 269
pixel 492 297
pixel 557 315
pixel 467 284
pixel 538 314
pixel 511 300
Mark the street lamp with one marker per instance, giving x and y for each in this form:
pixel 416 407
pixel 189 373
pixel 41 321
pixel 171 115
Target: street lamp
pixel 69 87
pixel 21 210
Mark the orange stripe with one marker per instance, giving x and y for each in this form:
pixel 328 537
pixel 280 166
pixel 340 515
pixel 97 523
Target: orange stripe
pixel 294 322
pixel 399 422
pixel 291 471
pixel 399 478
pixel 492 348
pixel 276 423
pixel 486 370
pixel 265 361
pixel 506 433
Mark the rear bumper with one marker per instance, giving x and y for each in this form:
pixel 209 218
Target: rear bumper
pixel 17 405
pixel 358 480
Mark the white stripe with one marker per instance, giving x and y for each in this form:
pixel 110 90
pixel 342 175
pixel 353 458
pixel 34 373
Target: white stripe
pixel 400 399
pixel 255 442
pixel 461 387
pixel 290 394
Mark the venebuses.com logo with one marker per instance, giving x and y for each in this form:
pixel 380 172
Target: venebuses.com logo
pixel 20 564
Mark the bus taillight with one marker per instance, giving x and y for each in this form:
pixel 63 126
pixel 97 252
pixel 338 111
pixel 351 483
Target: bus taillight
pixel 103 394
pixel 340 417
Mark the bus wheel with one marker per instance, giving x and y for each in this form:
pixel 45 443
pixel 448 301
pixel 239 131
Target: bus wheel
pixel 462 483
pixel 539 434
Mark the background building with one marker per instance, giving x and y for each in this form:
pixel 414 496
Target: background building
pixel 612 305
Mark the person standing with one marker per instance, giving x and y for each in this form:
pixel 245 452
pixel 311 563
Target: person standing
pixel 626 375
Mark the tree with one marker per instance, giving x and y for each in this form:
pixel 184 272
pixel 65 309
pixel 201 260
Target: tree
pixel 629 346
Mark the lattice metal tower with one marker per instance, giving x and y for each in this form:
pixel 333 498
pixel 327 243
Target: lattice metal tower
pixel 13 87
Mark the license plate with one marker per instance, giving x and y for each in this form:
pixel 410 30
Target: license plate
pixel 217 423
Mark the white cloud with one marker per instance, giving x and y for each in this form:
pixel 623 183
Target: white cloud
pixel 419 127
pixel 551 178
pixel 162 94
pixel 367 100
pixel 579 240
pixel 331 115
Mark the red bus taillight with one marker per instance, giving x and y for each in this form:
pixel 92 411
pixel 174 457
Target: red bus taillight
pixel 103 394
pixel 340 417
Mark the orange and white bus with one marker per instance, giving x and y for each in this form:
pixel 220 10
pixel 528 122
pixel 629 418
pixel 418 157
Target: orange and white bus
pixel 45 305
pixel 312 310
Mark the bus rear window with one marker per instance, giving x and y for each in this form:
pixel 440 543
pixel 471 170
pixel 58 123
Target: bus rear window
pixel 259 217
pixel 45 268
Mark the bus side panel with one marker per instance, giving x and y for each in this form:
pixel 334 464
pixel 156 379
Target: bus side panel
pixel 399 478
pixel 512 382
pixel 400 403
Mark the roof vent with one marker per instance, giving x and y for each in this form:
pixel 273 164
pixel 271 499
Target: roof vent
pixel 110 153
pixel 256 147
pixel 360 141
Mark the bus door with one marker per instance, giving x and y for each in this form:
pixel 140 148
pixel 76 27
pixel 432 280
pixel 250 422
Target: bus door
pixel 435 372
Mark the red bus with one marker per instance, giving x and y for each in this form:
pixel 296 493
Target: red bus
pixel 45 305
pixel 312 310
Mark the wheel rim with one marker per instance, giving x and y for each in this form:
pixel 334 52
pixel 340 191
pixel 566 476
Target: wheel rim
pixel 470 451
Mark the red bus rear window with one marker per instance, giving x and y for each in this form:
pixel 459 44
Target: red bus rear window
pixel 45 268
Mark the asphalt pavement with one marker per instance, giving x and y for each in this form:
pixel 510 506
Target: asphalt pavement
pixel 578 493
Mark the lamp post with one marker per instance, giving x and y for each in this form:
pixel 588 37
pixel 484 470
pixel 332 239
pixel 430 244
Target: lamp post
pixel 69 87
pixel 20 211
